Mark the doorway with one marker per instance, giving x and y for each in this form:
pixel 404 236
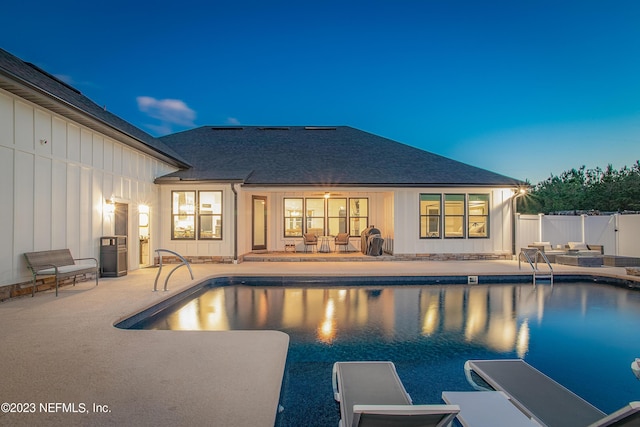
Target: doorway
pixel 259 228
pixel 121 228
pixel 143 235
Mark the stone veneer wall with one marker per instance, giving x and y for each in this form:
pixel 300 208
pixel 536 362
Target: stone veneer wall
pixel 452 257
pixel 43 284
pixel 169 259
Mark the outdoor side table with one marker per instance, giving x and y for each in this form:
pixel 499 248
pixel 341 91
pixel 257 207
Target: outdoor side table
pixel 580 261
pixel 324 244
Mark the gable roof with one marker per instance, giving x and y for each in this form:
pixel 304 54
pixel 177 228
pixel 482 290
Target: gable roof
pixel 312 156
pixel 33 84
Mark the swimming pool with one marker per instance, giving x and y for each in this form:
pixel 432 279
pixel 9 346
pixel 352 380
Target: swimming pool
pixel 583 335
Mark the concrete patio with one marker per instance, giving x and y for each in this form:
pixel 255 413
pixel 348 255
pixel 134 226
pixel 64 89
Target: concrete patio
pixel 65 362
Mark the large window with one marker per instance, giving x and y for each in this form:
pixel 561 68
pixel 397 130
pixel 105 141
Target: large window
pixel 336 216
pixel 183 210
pixel 315 216
pixel 430 215
pixel 478 215
pixel 358 216
pixel 325 216
pixel 293 209
pixel 457 215
pixel 454 215
pixel 208 215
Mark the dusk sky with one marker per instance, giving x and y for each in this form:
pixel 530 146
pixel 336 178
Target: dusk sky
pixel 523 88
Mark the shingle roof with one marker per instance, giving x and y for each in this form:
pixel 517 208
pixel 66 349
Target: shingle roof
pixel 254 155
pixel 36 85
pixel 312 156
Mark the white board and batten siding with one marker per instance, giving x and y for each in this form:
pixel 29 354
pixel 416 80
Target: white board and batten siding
pixel 406 229
pixel 197 248
pixel 53 192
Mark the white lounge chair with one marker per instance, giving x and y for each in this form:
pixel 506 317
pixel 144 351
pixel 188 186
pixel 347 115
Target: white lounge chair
pixel 487 409
pixel 543 399
pixel 371 394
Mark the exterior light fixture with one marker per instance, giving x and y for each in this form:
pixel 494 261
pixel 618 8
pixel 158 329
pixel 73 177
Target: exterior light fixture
pixel 143 215
pixel 327 195
pixel 109 206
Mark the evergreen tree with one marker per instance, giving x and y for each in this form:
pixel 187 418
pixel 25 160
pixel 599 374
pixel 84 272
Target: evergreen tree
pixel 584 189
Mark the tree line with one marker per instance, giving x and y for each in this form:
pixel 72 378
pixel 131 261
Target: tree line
pixel 585 190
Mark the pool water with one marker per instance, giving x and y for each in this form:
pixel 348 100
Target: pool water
pixel 583 335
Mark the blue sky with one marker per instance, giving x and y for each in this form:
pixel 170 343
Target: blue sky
pixel 523 88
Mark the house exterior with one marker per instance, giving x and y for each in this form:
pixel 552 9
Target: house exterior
pixel 73 172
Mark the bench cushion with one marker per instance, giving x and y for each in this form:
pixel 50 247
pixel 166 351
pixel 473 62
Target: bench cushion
pixel 66 269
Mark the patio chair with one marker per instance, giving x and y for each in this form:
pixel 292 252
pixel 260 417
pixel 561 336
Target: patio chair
pixel 543 399
pixel 371 394
pixel 342 239
pixel 310 239
pixel 487 408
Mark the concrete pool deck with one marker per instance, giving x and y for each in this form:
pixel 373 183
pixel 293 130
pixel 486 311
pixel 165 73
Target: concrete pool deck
pixel 65 362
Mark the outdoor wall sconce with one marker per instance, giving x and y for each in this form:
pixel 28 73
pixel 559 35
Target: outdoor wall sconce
pixel 327 195
pixel 143 217
pixel 109 206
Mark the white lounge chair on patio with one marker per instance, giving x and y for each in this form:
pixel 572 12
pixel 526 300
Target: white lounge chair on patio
pixel 487 409
pixel 543 399
pixel 371 394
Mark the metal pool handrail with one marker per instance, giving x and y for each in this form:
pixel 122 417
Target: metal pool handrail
pixel 526 254
pixel 184 262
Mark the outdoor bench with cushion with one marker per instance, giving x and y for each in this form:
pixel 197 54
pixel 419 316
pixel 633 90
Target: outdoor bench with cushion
pixel 58 263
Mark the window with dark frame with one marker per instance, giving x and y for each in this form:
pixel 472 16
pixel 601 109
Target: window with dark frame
pixel 358 215
pixel 430 216
pixel 210 215
pixel 332 215
pixel 183 214
pixel 454 216
pixel 293 217
pixel 314 210
pixel 459 215
pixel 478 215
pixel 203 214
pixel 336 216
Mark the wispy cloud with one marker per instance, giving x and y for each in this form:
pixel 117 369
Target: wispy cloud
pixel 232 121
pixel 169 111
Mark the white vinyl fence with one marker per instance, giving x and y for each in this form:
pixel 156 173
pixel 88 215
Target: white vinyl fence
pixel 619 234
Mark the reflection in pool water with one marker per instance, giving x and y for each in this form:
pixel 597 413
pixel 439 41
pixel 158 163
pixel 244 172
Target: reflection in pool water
pixel 582 335
pixel 482 314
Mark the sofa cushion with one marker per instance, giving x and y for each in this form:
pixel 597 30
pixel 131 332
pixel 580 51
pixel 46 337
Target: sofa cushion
pixel 546 246
pixel 581 246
